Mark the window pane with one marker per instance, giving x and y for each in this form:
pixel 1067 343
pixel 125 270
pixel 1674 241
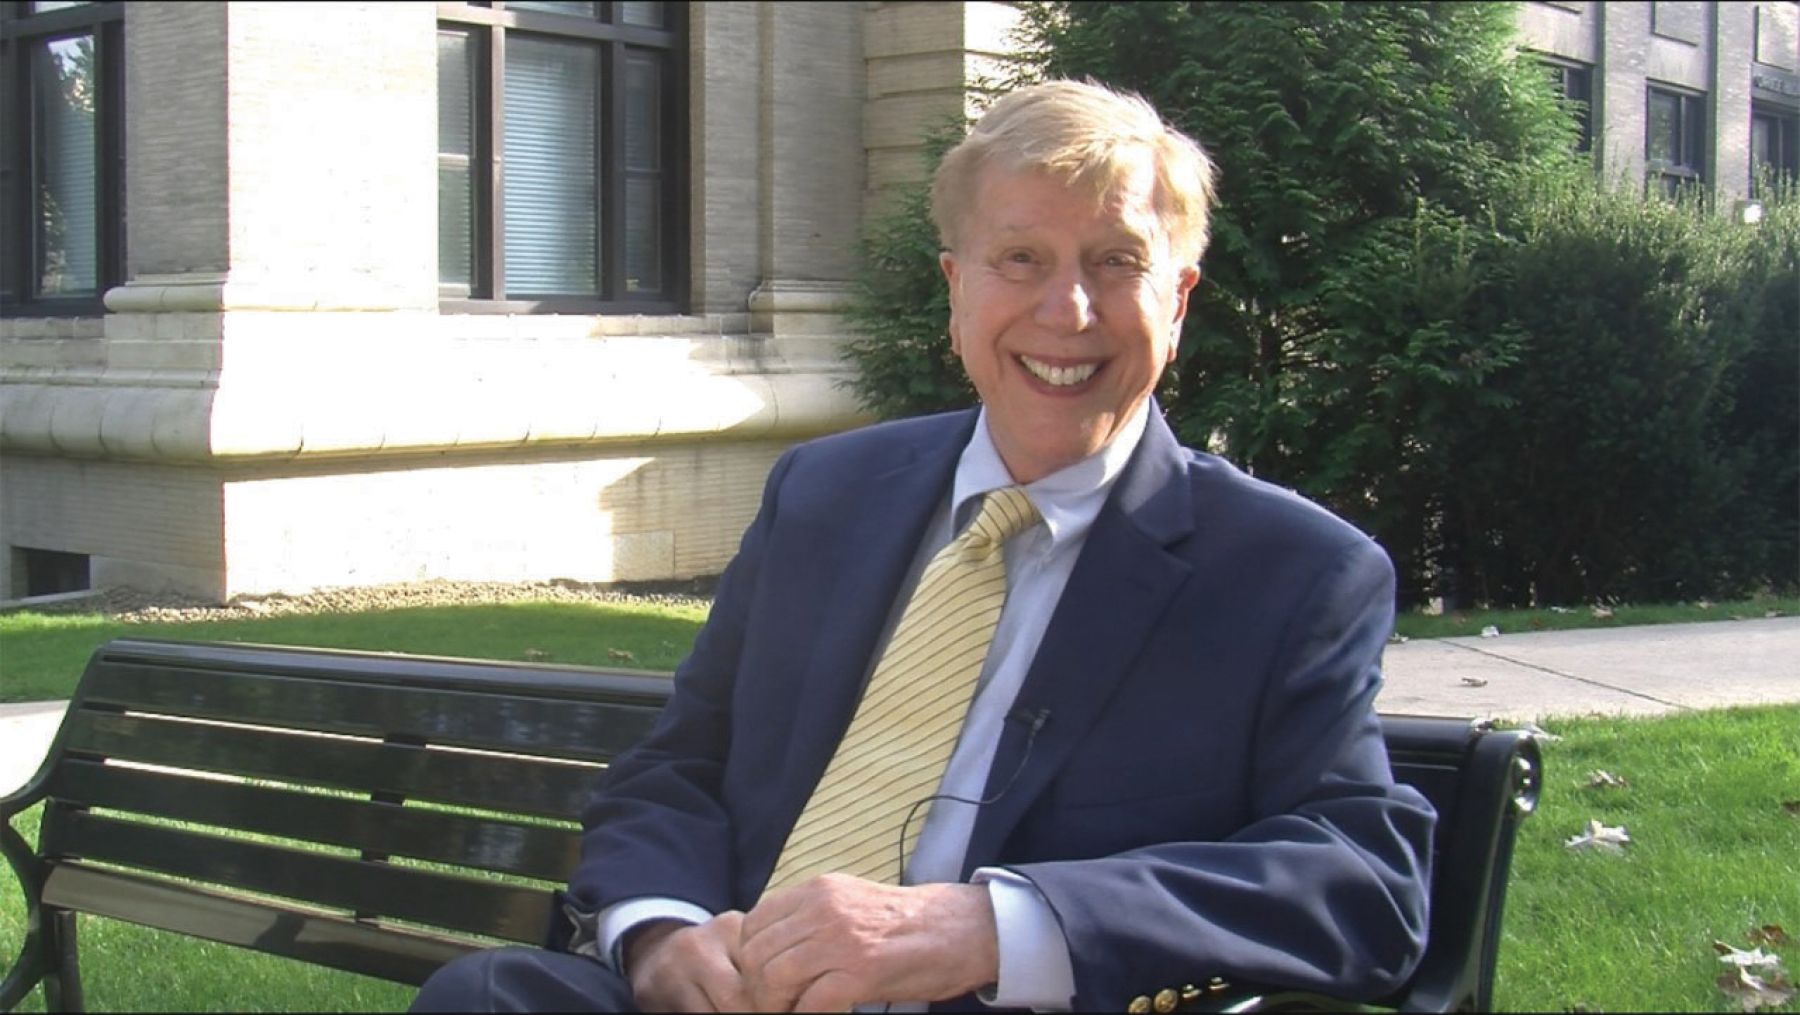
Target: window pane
pixel 1693 129
pixel 580 10
pixel 643 234
pixel 550 176
pixel 643 177
pixel 456 160
pixel 644 15
pixel 643 111
pixel 64 86
pixel 1762 142
pixel 45 6
pixel 1663 139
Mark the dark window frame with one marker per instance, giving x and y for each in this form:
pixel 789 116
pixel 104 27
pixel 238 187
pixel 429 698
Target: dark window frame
pixel 20 31
pixel 1786 122
pixel 1688 168
pixel 487 26
pixel 1564 76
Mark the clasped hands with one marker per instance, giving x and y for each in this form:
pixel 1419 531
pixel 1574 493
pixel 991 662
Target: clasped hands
pixel 826 944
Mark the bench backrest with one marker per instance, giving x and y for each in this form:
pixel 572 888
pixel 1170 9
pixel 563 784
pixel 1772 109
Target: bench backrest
pixel 418 805
pixel 1483 782
pixel 386 813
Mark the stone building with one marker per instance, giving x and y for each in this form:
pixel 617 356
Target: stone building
pixel 308 295
pixel 1679 92
pixel 298 295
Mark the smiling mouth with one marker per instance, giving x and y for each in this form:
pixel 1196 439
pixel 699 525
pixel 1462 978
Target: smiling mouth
pixel 1059 377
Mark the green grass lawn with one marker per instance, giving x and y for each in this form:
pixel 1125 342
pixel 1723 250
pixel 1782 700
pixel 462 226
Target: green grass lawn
pixel 1713 853
pixel 1462 623
pixel 42 655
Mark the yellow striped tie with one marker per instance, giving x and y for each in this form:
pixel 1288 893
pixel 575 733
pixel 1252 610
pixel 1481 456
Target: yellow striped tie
pixel 894 753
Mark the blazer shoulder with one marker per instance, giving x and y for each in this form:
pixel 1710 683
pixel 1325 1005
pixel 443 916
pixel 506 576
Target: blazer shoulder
pixel 878 447
pixel 1224 494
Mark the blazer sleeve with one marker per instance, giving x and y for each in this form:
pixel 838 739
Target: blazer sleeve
pixel 656 826
pixel 1325 888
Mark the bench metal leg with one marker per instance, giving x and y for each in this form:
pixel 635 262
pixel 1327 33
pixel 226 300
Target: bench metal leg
pixel 62 976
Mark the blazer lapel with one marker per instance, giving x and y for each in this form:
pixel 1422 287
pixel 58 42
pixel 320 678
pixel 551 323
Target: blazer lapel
pixel 1116 595
pixel 863 556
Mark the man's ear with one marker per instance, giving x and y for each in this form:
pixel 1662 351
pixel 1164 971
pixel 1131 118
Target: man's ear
pixel 1185 280
pixel 947 264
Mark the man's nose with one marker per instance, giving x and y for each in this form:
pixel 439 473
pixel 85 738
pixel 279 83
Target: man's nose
pixel 1065 303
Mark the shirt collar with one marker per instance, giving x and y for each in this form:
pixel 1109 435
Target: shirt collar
pixel 1069 499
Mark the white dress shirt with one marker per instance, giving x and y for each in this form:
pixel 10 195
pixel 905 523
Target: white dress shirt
pixel 1035 969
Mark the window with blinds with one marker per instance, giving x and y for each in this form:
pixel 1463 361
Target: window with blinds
pixel 61 176
pixel 558 148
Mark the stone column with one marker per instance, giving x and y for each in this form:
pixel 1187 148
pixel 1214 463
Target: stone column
pixel 928 64
pixel 1733 29
pixel 1621 104
pixel 276 156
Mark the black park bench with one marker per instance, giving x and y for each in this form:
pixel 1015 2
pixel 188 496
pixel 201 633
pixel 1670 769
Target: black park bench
pixel 385 813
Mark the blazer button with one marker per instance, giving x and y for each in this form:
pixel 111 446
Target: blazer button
pixel 1139 1005
pixel 1166 1000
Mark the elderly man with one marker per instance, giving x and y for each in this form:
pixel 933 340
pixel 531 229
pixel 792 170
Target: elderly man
pixel 1024 706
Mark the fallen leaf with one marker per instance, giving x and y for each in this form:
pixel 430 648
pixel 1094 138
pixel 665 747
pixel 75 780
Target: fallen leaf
pixel 1755 958
pixel 1536 732
pixel 1753 992
pixel 1600 777
pixel 1397 638
pixel 1603 613
pixel 1474 681
pixel 621 655
pixel 1771 615
pixel 1490 631
pixel 1768 934
pixel 536 655
pixel 1704 604
pixel 1599 836
pixel 1561 609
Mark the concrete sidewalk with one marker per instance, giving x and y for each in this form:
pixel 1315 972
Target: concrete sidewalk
pixel 1608 671
pixel 1517 677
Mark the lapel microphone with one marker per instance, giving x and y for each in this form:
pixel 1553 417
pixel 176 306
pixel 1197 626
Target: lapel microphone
pixel 1034 720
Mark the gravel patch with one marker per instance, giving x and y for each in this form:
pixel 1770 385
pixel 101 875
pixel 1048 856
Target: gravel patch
pixel 134 606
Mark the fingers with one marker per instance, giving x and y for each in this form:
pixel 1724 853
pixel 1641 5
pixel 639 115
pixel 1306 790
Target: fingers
pixel 818 945
pixel 837 941
pixel 834 991
pixel 722 980
pixel 693 968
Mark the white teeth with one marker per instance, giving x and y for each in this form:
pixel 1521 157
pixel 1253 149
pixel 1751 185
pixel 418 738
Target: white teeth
pixel 1061 377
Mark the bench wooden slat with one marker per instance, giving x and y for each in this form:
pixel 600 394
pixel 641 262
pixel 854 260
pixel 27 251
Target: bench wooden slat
pixel 484 843
pixel 505 784
pixel 463 718
pixel 448 901
pixel 632 688
pixel 326 939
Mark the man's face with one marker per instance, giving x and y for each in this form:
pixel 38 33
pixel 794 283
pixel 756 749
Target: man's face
pixel 1064 312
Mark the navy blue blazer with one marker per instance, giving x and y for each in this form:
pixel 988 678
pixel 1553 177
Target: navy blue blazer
pixel 1208 793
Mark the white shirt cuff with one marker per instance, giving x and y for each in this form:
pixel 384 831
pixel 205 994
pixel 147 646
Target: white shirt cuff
pixel 616 920
pixel 1035 970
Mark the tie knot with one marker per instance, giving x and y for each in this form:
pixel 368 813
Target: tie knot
pixel 1004 514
